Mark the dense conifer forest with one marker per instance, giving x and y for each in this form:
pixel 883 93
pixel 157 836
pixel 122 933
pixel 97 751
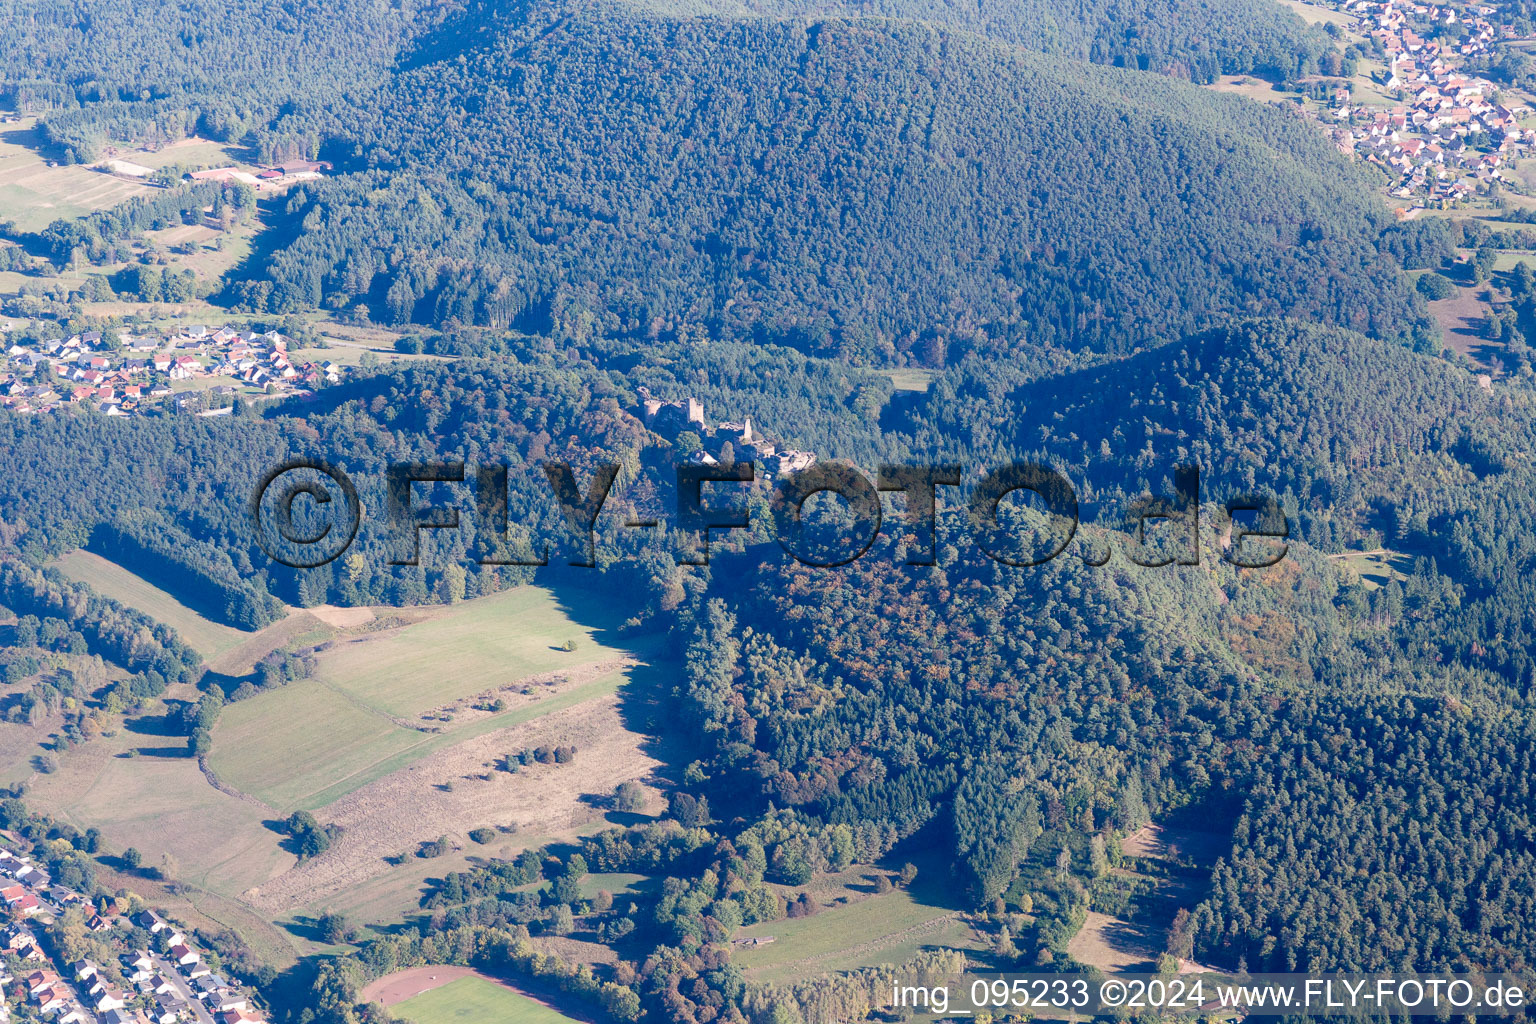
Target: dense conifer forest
pixel 652 178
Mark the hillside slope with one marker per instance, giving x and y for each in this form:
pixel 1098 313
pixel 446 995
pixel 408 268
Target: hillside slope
pixel 880 190
pixel 1194 41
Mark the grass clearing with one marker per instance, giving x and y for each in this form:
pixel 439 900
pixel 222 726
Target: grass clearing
pixel 1315 14
pixel 474 1000
pixel 616 884
pixel 1376 568
pixel 1461 319
pixel 192 152
pixel 861 933
pixel 1252 87
pixel 1165 869
pixel 208 638
pixel 489 642
pixel 394 894
pixel 912 378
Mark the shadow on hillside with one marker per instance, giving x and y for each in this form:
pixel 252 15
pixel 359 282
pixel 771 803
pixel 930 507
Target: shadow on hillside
pixel 304 927
pixel 640 700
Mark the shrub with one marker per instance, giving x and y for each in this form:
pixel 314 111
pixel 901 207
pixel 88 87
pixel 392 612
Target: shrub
pixel 629 796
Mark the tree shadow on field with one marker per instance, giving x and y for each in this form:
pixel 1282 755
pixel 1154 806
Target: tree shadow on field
pixel 167 726
pixel 640 699
pixel 305 927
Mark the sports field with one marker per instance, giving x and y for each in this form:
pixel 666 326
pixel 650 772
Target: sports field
pixel 473 1000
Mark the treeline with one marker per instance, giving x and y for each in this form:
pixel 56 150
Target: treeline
pixel 674 935
pixel 63 850
pixel 121 635
pixel 333 994
pixel 1197 43
pixel 199 572
pixel 198 475
pixel 273 79
pixel 100 237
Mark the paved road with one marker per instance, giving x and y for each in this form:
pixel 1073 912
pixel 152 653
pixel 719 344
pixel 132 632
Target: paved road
pixel 168 969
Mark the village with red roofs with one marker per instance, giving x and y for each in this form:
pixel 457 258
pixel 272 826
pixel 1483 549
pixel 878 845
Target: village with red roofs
pixel 156 974
pixel 130 374
pixel 1440 131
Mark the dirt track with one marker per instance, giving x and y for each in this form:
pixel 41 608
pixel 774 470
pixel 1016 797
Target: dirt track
pixel 402 985
pixel 398 987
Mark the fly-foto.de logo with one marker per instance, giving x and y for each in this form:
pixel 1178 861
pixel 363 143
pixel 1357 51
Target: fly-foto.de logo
pixel 307 512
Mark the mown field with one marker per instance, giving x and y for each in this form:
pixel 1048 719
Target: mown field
pixel 472 647
pixel 474 1000
pixel 306 745
pixel 314 741
pixel 285 746
pixel 208 638
pixel 34 195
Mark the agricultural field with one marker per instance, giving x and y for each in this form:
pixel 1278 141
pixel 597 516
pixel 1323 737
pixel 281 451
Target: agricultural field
pixel 488 642
pixel 380 744
pixel 34 195
pixel 441 790
pixel 475 1000
pixel 316 740
pixel 311 742
pixel 285 746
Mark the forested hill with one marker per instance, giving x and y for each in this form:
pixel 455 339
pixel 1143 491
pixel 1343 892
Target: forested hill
pixel 281 72
pixel 1016 714
pixel 1197 42
pixel 1319 411
pixel 103 70
pixel 880 190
